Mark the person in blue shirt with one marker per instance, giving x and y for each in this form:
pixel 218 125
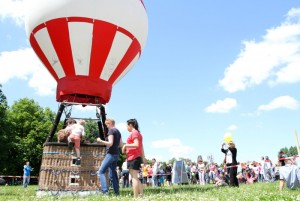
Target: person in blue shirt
pixel 290 174
pixel 26 176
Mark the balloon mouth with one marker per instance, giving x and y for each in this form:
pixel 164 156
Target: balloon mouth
pixel 83 89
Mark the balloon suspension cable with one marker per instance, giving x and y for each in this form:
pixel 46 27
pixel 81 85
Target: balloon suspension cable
pixel 101 123
pixel 97 113
pixel 67 115
pixel 56 122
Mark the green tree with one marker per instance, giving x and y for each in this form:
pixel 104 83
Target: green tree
pixel 30 127
pixel 292 151
pixel 171 161
pixel 91 130
pixel 5 135
pixel 121 159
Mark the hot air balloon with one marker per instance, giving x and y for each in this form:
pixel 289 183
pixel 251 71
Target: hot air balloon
pixel 87 46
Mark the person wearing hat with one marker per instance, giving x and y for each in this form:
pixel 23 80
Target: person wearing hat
pixel 290 174
pixel 231 153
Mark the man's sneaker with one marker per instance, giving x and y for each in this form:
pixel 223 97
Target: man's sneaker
pixel 70 145
pixel 78 161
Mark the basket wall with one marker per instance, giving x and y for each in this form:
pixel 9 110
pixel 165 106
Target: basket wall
pixel 58 171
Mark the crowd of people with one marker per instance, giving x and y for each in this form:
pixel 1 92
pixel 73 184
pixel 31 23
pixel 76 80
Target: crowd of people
pixel 204 173
pixel 137 173
pixel 229 173
pixel 154 174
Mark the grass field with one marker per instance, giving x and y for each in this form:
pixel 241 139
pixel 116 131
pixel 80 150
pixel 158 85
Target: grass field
pixel 258 191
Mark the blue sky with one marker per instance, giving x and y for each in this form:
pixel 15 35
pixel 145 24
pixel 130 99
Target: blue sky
pixel 208 68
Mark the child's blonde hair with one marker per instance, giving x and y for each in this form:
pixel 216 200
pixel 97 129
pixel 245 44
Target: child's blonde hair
pixel 81 122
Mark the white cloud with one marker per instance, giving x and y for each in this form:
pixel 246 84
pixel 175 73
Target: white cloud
pixel 232 127
pixel 222 106
pixel 42 82
pixel 289 74
pixel 174 146
pixel 274 59
pixel 24 64
pixel 280 102
pixel 14 9
pixel 122 127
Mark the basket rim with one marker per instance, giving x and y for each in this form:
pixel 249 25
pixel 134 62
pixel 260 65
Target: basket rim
pixel 65 144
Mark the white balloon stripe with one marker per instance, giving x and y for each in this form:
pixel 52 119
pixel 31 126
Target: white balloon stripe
pixel 127 69
pixel 119 48
pixel 45 43
pixel 81 43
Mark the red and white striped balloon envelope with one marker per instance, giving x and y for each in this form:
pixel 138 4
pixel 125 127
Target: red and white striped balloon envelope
pixel 87 45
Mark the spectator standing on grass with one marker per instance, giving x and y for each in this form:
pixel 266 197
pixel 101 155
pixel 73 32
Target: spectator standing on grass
pixel 26 176
pixel 125 175
pixel 231 163
pixel 145 174
pixel 268 170
pixel 216 170
pixel 259 174
pixel 149 179
pixel 154 172
pixel 168 171
pixel 206 175
pixel 161 176
pixel 112 143
pixel 188 170
pixel 263 178
pixel 201 171
pixel 256 171
pixel 135 155
pixel 212 172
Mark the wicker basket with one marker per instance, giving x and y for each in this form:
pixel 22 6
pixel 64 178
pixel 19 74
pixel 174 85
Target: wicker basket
pixel 59 172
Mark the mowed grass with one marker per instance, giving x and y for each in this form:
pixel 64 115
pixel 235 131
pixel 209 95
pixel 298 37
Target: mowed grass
pixel 258 191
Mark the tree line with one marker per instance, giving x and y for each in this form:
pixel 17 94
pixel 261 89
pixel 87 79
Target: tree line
pixel 24 128
pixel 292 151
